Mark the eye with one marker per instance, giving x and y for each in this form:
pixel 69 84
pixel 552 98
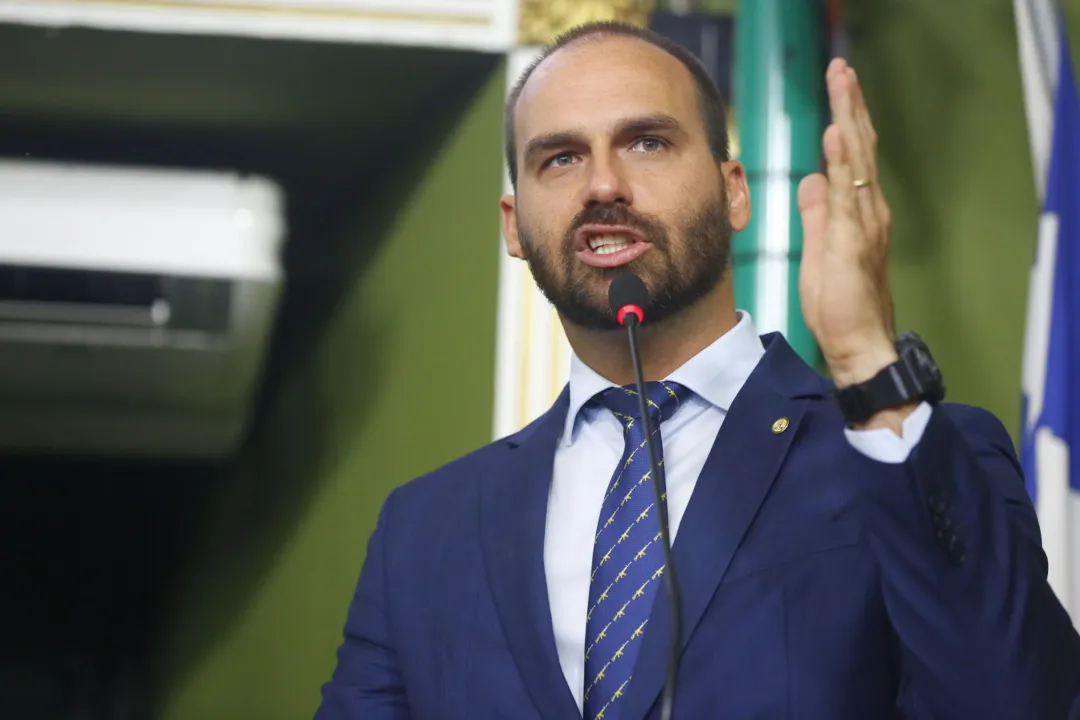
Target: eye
pixel 650 145
pixel 560 160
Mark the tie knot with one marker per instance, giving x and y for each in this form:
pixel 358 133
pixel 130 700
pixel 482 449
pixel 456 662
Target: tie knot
pixel 664 398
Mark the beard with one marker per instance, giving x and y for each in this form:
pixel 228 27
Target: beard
pixel 677 276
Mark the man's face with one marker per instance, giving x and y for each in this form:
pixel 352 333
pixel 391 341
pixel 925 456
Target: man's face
pixel 615 173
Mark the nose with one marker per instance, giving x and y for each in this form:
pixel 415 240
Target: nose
pixel 606 182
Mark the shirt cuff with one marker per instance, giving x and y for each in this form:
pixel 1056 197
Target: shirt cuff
pixel 883 445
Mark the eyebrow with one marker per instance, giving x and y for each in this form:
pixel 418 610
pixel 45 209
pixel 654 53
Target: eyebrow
pixel 549 142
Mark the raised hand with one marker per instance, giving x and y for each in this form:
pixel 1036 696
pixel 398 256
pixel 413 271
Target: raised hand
pixel 843 282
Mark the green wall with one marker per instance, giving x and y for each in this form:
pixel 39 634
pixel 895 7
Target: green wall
pixel 942 80
pixel 397 381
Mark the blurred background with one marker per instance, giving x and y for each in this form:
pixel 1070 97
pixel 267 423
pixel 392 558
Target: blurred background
pixel 251 279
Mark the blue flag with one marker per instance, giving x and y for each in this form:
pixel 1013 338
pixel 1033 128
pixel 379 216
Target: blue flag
pixel 1050 443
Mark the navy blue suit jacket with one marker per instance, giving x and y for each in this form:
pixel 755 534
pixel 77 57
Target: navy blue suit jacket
pixel 816 582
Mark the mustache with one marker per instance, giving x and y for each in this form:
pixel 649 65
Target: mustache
pixel 616 214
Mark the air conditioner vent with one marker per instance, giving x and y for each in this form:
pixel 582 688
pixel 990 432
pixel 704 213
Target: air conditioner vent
pixel 136 305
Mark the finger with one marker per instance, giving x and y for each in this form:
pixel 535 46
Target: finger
pixel 813 207
pixel 843 203
pixel 870 139
pixel 843 92
pixel 813 199
pixel 863 123
pixel 837 65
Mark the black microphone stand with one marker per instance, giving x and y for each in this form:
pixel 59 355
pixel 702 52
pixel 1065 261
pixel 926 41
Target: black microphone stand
pixel 630 322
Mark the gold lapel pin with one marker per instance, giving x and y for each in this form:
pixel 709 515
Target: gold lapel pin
pixel 780 426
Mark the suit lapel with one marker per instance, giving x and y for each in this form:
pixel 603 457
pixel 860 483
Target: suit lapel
pixel 513 511
pixel 735 481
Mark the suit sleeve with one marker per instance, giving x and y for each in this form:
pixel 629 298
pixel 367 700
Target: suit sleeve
pixel 964 576
pixel 367 682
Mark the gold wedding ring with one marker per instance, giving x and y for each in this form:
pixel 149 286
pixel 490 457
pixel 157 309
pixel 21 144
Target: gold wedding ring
pixel 863 183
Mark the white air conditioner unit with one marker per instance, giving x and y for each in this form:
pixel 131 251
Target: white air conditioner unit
pixel 135 307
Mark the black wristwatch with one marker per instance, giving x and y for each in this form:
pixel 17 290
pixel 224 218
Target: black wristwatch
pixel 915 376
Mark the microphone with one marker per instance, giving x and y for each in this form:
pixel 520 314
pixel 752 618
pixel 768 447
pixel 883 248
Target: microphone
pixel 628 297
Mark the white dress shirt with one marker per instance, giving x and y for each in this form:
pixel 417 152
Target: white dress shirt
pixel 592 445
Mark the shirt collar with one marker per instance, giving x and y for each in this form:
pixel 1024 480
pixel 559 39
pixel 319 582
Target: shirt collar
pixel 716 374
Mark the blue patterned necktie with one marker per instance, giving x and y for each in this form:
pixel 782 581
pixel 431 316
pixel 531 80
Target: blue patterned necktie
pixel 628 558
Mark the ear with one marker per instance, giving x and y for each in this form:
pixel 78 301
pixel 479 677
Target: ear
pixel 738 194
pixel 507 205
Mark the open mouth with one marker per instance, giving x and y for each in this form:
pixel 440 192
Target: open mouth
pixel 607 246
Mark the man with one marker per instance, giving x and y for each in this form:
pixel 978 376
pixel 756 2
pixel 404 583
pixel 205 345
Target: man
pixel 837 558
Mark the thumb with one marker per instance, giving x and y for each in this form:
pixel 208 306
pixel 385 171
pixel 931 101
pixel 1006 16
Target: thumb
pixel 813 199
pixel 814 204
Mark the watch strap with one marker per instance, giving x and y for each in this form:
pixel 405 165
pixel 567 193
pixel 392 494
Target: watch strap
pixel 913 377
pixel 888 388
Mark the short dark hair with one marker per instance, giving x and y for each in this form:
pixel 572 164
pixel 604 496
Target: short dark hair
pixel 712 105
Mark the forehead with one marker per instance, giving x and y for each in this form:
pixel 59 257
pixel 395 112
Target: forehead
pixel 597 81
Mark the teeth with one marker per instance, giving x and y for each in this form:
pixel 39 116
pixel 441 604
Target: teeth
pixel 607 244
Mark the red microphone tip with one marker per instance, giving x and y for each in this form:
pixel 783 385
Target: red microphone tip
pixel 630 309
